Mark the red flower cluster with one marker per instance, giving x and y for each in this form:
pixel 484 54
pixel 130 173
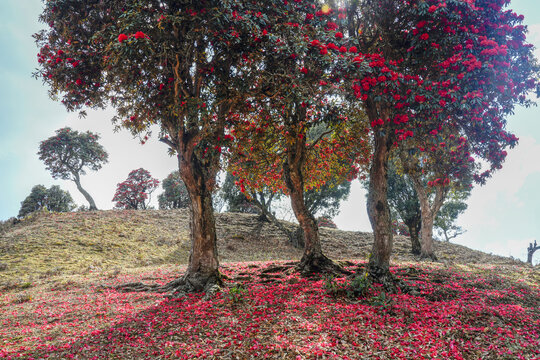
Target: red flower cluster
pixel 137 35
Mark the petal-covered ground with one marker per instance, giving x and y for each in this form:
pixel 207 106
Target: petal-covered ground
pixel 272 313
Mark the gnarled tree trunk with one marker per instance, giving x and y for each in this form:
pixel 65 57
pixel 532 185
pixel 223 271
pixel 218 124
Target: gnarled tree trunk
pixel 85 193
pixel 429 211
pixel 379 212
pixel 202 272
pixel 313 260
pixel 415 243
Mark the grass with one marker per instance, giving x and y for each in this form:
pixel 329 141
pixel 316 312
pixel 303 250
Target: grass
pixel 53 303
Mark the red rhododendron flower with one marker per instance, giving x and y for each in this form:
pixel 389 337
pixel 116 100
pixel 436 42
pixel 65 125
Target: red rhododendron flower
pixel 140 35
pixel 353 49
pixel 122 37
pixel 331 26
pixel 424 36
pixel 432 9
pixel 304 70
pixel 420 98
pixel 339 35
pixel 343 49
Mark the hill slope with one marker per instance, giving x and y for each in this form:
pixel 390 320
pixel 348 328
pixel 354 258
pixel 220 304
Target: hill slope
pixel 77 243
pixel 53 303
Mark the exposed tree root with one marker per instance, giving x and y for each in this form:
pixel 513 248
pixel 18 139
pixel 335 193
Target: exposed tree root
pixel 391 284
pixel 177 288
pixel 314 264
pixel 428 257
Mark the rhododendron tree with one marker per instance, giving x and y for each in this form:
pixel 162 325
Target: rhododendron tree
pixel 52 199
pixel 134 193
pixel 177 64
pixel 301 93
pixel 175 194
pixel 238 201
pixel 69 153
pixel 435 169
pixel 442 196
pixel 404 206
pixel 454 205
pixel 458 66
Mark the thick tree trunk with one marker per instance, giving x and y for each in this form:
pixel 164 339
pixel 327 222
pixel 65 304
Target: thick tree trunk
pixel 313 260
pixel 415 243
pixel 428 216
pixel 427 251
pixel 202 272
pixel 379 212
pixel 85 193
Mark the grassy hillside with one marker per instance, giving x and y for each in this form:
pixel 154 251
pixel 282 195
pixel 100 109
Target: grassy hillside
pixel 56 271
pixel 78 243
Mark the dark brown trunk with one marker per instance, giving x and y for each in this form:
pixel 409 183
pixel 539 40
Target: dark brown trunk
pixel 85 193
pixel 313 260
pixel 379 211
pixel 202 272
pixel 415 243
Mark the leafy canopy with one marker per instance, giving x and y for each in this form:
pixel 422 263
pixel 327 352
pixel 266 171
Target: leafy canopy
pixel 134 193
pixel 53 199
pixel 69 153
pixel 175 194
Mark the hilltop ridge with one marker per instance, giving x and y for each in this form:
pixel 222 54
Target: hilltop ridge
pixel 69 243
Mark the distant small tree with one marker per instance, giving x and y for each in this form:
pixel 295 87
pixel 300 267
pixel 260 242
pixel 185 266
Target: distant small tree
pixel 530 251
pixel 453 206
pixel 404 205
pixel 236 200
pixel 68 154
pixel 325 200
pixel 175 194
pixel 134 193
pixel 54 199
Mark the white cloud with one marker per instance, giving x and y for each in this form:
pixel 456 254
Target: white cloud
pixel 533 37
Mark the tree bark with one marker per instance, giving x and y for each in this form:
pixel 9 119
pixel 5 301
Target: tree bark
pixel 428 216
pixel 415 243
pixel 313 260
pixel 379 210
pixel 202 272
pixel 85 193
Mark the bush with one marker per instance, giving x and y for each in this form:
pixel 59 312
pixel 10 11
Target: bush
pixel 40 198
pixel 326 222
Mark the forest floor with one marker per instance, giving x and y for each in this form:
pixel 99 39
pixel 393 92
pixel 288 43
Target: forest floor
pixel 56 301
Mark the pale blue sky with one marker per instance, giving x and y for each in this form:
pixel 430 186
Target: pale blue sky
pixel 503 216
